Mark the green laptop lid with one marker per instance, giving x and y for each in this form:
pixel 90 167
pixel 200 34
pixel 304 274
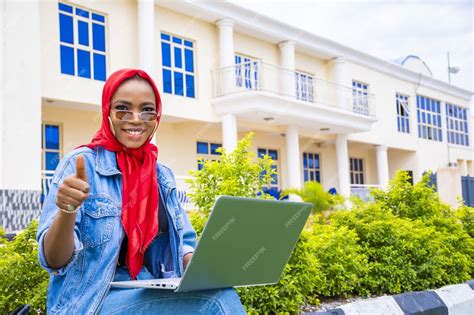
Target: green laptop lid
pixel 245 242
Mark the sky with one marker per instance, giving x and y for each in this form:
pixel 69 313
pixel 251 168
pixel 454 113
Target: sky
pixel 389 29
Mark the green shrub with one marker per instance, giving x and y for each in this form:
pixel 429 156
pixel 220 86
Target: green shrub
pixel 238 173
pixel 198 221
pixel 22 280
pixel 417 201
pixel 405 254
pixel 314 193
pixel 465 215
pixel 342 260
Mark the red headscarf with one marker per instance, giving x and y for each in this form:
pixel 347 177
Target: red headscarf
pixel 139 180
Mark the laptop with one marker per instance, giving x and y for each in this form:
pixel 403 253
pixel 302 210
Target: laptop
pixel 245 242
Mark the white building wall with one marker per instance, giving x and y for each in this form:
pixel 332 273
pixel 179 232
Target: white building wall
pixel 77 126
pixel 21 96
pixel 121 47
pixel 256 48
pixel 205 37
pixel 311 64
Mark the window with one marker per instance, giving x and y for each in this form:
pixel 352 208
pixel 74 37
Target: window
pixel 50 147
pixel 246 72
pixel 274 186
pixel 178 65
pixel 360 97
pixel 82 42
pixel 356 167
pixel 428 112
pixel 311 167
pixel 457 125
pixel 207 151
pixel 304 87
pixel 403 113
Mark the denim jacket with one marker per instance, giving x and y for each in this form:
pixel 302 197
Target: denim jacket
pixel 80 286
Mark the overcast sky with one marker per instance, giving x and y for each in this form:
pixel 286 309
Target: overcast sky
pixel 389 29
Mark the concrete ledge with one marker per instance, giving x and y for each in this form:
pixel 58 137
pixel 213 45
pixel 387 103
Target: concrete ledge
pixel 455 299
pixel 382 305
pixel 425 302
pixel 459 298
pixel 471 284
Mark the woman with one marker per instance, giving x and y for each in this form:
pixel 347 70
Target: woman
pixel 112 214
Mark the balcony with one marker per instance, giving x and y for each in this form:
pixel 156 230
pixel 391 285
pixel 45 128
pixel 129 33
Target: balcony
pixel 256 90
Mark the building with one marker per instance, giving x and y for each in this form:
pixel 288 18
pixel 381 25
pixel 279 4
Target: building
pixel 323 111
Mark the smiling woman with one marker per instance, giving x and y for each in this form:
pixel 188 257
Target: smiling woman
pixel 134 96
pixel 112 214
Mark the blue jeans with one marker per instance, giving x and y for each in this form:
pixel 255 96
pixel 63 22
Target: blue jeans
pixel 153 301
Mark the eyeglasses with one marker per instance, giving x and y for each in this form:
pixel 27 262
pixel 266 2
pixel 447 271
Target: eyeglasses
pixel 126 115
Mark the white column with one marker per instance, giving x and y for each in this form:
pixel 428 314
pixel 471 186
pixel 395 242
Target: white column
pixel 293 156
pixel 287 62
pixel 226 42
pixel 146 35
pixel 463 167
pixel 470 168
pixel 20 99
pixel 340 78
pixel 227 79
pixel 2 103
pixel 382 165
pixel 343 165
pixel 146 39
pixel 229 132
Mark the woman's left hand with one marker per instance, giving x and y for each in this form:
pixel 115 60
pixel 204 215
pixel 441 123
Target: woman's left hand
pixel 186 259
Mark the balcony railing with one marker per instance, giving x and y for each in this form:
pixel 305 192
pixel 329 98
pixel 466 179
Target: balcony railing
pixel 264 77
pixel 363 191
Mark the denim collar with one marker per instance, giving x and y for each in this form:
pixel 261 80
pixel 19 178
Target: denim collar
pixel 106 165
pixel 106 162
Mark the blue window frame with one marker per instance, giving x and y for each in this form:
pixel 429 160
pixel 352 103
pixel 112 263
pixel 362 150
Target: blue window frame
pixel 246 72
pixel 360 97
pixel 82 42
pixel 273 189
pixel 356 167
pixel 457 124
pixel 304 87
pixel 207 151
pixel 428 114
pixel 50 146
pixel 403 113
pixel 311 167
pixel 178 65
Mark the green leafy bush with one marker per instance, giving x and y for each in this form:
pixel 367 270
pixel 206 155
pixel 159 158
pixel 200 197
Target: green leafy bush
pixel 237 173
pixel 342 261
pixel 465 215
pixel 417 201
pixel 22 280
pixel 407 254
pixel 314 193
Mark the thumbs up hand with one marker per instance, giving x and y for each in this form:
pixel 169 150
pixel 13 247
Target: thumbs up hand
pixel 74 189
